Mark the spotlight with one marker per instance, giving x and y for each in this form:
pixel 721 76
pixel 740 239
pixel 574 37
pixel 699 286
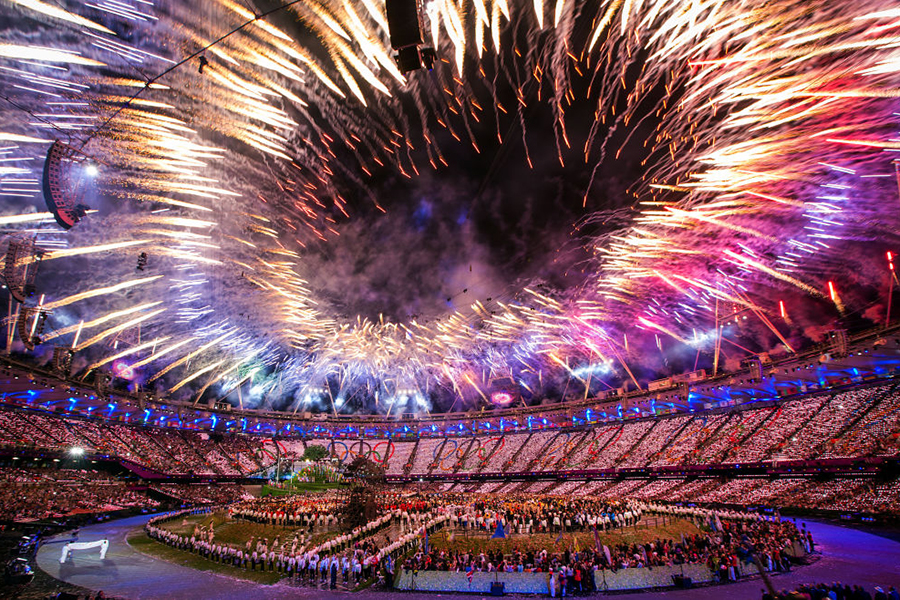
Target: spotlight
pixel 91 170
pixel 76 451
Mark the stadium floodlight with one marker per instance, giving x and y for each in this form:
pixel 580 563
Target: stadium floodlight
pixel 76 451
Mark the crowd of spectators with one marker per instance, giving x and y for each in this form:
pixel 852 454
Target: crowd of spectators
pixel 200 494
pixel 399 458
pixel 852 494
pixel 851 423
pixel 860 494
pixel 504 457
pixel 658 437
pixel 38 494
pixel 423 459
pixel 538 448
pixel 857 422
pixel 172 451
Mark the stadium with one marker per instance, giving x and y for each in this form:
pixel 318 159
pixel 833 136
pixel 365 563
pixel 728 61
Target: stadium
pixel 399 299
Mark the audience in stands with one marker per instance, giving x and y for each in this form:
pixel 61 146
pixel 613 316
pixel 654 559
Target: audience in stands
pixel 171 451
pixel 200 494
pixel 31 494
pixel 856 422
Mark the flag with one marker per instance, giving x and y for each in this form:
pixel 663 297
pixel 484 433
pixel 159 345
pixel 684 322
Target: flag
pixel 425 545
pixel 469 574
pixel 597 541
pixel 499 533
pixel 559 537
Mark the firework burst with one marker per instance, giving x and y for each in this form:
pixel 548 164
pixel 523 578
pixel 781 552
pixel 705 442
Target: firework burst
pixel 231 144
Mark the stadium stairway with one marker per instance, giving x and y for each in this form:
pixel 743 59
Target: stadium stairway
pixel 711 436
pixel 203 460
pixel 412 456
pixel 81 436
pixel 539 454
pixel 849 430
pixel 611 439
pixel 624 456
pixel 505 466
pixel 488 453
pixel 572 452
pixel 112 432
pixel 463 460
pixel 165 451
pixel 563 450
pixel 667 443
pixel 34 423
pixel 728 451
pixel 231 459
pixel 436 459
pixel 773 451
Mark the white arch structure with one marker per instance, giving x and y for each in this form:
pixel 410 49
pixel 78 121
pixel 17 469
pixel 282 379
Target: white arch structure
pixel 67 549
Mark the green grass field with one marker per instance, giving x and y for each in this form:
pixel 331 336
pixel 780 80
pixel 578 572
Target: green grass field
pixel 300 488
pixel 235 532
pixel 142 543
pixel 238 532
pixel 672 529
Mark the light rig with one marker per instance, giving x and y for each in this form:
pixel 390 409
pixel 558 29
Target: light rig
pixel 405 26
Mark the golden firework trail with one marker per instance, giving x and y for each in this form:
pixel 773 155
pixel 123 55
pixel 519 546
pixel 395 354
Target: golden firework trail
pixel 191 355
pixel 99 321
pixel 123 354
pixel 100 292
pixel 127 325
pixel 771 126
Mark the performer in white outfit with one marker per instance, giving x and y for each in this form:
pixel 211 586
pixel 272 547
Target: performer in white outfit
pixel 67 549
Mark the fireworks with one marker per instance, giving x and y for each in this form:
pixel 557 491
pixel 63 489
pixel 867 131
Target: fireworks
pixel 768 166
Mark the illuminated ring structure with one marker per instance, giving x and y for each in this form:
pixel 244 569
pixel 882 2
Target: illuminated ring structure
pixel 362 449
pixel 497 448
pixel 550 455
pixel 280 446
pixel 440 456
